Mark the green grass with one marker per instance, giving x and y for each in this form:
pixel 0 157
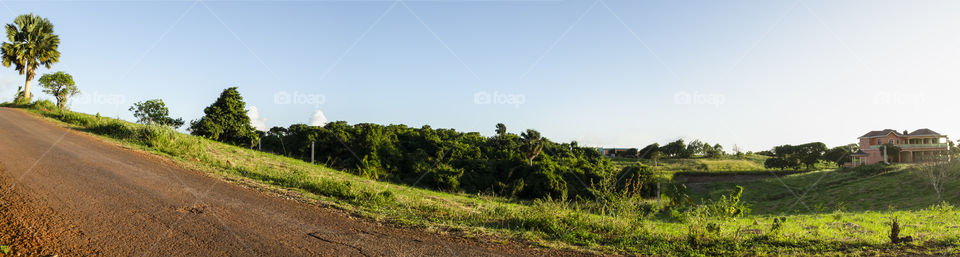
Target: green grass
pixel 668 167
pixel 625 225
pixel 893 187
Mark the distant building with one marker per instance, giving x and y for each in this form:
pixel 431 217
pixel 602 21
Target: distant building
pixel 918 146
pixel 612 152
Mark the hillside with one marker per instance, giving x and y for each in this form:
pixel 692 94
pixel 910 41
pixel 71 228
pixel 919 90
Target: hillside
pixel 870 189
pixel 609 223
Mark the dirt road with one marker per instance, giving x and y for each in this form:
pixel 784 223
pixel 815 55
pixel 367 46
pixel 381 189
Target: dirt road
pixel 63 192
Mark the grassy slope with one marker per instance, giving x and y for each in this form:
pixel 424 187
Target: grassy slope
pixel 613 226
pixel 901 188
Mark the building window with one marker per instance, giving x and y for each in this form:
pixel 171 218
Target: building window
pixel 891 140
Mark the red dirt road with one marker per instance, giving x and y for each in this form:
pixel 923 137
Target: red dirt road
pixel 63 192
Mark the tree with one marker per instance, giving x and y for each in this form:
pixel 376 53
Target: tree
pixel 32 43
pixel 675 149
pixel 60 85
pixel 892 151
pixel 644 153
pixel 938 175
pixel 696 147
pixel 532 144
pixel 810 154
pixel 154 112
pixel 501 129
pixel 655 156
pixel 838 155
pixel 226 121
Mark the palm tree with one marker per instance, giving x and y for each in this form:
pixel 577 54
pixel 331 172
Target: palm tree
pixel 32 43
pixel 532 144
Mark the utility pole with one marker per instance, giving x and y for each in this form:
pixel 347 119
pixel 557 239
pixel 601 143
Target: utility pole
pixel 312 143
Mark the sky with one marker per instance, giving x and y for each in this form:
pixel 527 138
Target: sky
pixel 609 73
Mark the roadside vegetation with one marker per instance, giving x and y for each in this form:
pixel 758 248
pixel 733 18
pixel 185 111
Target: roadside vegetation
pixel 526 187
pixel 729 221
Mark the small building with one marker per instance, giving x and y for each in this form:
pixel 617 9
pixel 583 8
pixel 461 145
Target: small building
pixel 612 152
pixel 918 146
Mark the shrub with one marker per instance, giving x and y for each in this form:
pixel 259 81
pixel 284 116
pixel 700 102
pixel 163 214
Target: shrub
pixel 115 129
pixel 75 119
pixel 445 177
pixel 43 105
pixel 636 180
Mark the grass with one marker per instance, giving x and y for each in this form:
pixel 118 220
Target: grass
pixel 893 187
pixel 624 225
pixel 667 168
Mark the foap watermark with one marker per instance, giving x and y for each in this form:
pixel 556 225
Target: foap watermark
pixel 297 97
pixel 483 97
pixel 898 98
pixel 698 98
pixel 116 100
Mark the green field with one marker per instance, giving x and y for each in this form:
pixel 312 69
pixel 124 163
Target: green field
pixel 849 212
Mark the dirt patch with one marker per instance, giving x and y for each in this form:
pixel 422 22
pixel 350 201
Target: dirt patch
pixel 26 230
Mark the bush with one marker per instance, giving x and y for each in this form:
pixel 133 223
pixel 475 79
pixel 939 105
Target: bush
pixel 636 180
pixel 75 119
pixel 43 105
pixel 115 129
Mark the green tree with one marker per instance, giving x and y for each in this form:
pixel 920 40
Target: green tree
pixel 838 155
pixel 644 153
pixel 226 121
pixel 32 43
pixel 60 85
pixel 501 129
pixel 892 151
pixel 655 156
pixel 811 153
pixel 154 112
pixel 675 149
pixel 532 144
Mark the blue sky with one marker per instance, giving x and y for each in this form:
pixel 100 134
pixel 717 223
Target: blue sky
pixel 605 73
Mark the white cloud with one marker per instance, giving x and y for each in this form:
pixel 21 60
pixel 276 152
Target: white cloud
pixel 318 119
pixel 258 122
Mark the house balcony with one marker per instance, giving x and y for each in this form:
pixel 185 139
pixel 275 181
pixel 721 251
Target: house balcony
pixel 914 146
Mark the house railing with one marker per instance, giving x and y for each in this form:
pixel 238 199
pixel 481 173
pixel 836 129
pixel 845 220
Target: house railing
pixel 911 146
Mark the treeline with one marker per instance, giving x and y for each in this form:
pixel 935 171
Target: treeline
pixel 807 155
pixel 525 165
pixel 677 149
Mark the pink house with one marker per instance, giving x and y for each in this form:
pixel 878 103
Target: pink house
pixel 917 146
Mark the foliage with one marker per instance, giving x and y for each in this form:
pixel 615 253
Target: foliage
pixel 676 149
pixel 60 85
pixel 790 156
pixel 226 121
pixel 840 154
pixel 447 159
pixel 628 228
pixel 892 152
pixel 32 44
pixel 647 151
pixel 532 144
pixel 636 180
pixel 154 112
